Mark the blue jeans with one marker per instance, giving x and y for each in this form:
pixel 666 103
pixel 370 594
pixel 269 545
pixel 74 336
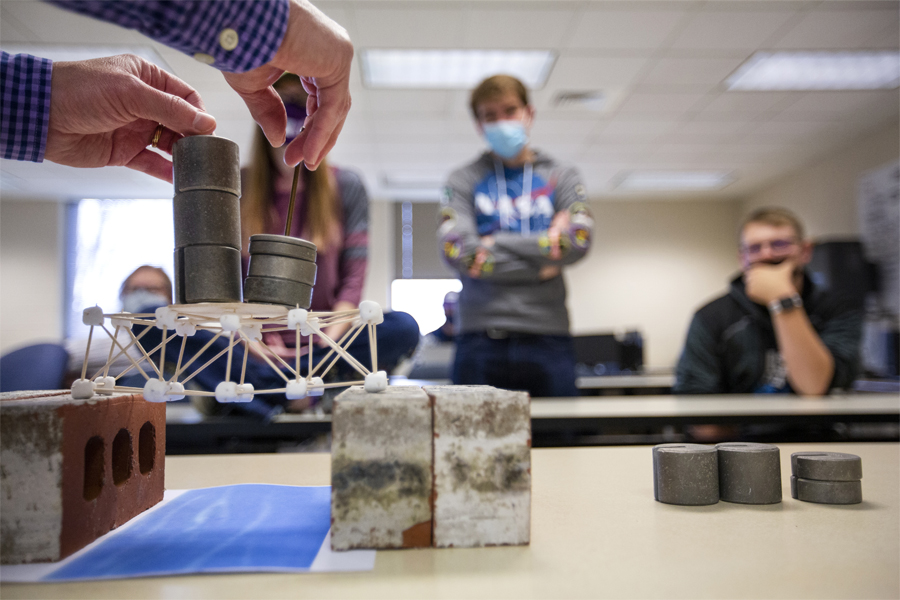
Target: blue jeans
pixel 542 365
pixel 397 336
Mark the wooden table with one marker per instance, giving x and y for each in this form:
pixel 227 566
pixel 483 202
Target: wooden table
pixel 596 533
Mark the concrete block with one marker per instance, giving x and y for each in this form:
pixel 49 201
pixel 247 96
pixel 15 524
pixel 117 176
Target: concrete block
pixel 826 466
pixel 73 470
pixel 749 473
pixel 482 466
pixel 826 492
pixel 686 474
pixel 381 469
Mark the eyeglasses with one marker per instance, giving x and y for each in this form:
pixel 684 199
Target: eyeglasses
pixel 777 246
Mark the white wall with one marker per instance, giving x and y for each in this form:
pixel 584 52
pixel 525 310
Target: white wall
pixel 651 265
pixel 381 253
pixel 823 193
pixel 32 277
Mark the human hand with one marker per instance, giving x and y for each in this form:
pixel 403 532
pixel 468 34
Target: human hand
pixel 477 267
pixel 276 344
pixel 548 272
pixel 320 52
pixel 765 282
pixel 558 226
pixel 104 112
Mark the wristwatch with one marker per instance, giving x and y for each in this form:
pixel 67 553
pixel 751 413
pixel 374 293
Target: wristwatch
pixel 785 304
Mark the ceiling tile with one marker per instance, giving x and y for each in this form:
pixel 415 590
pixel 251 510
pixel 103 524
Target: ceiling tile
pixel 824 29
pixel 844 104
pixel 659 104
pixel 747 104
pixel 639 28
pixel 699 73
pixel 59 26
pixel 717 27
pixel 414 27
pixel 433 102
pixel 516 27
pixel 585 73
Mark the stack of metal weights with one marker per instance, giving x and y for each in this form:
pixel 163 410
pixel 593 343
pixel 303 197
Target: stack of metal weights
pixel 282 271
pixel 207 220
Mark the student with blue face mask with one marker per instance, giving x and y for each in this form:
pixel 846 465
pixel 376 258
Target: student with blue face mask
pixel 510 222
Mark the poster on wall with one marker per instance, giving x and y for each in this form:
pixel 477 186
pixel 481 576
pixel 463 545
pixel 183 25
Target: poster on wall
pixel 879 217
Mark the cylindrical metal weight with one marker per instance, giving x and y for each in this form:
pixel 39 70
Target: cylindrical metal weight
pixel 826 466
pixel 206 162
pixel 686 474
pixel 281 245
pixel 208 274
pixel 749 473
pixel 282 267
pixel 269 290
pixel 826 492
pixel 207 217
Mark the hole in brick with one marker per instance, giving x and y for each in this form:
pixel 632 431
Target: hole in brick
pixel 147 447
pixel 93 467
pixel 121 457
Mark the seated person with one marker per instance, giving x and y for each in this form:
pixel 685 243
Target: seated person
pixel 446 333
pixel 145 286
pixel 774 331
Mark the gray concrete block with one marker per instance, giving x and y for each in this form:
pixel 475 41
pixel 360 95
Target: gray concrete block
pixel 482 466
pixel 826 492
pixel 749 473
pixel 686 474
pixel 381 469
pixel 826 466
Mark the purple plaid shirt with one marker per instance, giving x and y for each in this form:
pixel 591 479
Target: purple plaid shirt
pixel 191 26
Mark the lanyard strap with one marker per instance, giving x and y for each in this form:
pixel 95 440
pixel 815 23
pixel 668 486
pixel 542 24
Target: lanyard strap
pixel 527 181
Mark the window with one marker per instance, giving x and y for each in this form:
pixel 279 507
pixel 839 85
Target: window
pixel 423 299
pixel 107 240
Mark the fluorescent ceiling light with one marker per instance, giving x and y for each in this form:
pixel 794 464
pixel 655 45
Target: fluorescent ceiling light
pixel 452 69
pixel 672 180
pixel 770 71
pixel 60 52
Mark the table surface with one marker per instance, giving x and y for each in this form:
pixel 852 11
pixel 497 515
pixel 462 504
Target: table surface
pixel 596 532
pixel 722 405
pixel 625 381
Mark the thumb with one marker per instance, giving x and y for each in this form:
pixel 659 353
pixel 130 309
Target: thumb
pixel 172 111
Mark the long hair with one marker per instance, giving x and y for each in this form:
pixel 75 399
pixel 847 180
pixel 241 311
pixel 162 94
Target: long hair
pixel 322 206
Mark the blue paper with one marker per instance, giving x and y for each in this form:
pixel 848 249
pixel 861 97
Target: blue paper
pixel 228 528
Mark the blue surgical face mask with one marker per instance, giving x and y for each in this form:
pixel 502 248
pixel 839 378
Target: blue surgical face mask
pixel 506 138
pixel 141 300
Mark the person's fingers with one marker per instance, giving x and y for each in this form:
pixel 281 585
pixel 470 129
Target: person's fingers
pixel 153 164
pixel 164 81
pixel 267 109
pixel 327 110
pixel 174 112
pixel 167 140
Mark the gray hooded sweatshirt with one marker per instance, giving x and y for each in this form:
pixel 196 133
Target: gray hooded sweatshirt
pixel 485 198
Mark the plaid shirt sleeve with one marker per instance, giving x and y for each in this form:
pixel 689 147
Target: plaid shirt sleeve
pixel 195 26
pixel 25 113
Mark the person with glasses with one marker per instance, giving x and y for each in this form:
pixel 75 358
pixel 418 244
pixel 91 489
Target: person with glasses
pixel 774 331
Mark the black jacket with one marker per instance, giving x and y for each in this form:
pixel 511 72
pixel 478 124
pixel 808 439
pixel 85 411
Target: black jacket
pixel 731 345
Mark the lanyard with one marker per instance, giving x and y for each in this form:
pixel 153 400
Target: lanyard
pixel 527 181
